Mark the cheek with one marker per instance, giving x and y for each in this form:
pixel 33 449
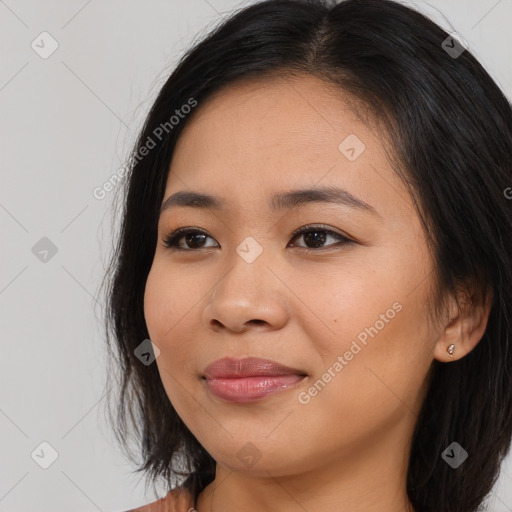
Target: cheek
pixel 372 389
pixel 380 333
pixel 163 308
pixel 155 306
pixel 170 311
pixel 165 303
pixel 349 307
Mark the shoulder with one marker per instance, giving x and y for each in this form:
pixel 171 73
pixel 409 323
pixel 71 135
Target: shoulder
pixel 177 500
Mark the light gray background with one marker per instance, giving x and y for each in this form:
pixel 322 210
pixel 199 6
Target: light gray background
pixel 67 123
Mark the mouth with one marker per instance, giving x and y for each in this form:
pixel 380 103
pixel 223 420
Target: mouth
pixel 249 379
pixel 229 368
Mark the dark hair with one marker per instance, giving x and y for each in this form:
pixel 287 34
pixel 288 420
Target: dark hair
pixel 451 132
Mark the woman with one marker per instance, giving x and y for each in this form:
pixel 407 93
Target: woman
pixel 310 295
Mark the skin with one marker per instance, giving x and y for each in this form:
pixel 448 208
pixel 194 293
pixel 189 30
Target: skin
pixel 348 447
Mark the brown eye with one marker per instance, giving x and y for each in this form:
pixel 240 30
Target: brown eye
pixel 193 238
pixel 315 237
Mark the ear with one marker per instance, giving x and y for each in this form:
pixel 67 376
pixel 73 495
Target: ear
pixel 465 326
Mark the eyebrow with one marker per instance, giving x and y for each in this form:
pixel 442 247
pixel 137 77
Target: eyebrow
pixel 290 199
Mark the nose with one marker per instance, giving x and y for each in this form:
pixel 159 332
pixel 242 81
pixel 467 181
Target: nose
pixel 249 294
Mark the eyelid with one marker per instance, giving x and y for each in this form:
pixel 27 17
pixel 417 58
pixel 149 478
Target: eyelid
pixel 178 233
pixel 321 227
pixel 168 241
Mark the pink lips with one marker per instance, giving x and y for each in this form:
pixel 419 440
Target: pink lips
pixel 249 379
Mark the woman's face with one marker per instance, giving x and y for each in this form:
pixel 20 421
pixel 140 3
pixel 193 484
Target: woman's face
pixel 350 316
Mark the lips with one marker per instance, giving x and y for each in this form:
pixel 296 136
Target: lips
pixel 250 379
pixel 230 368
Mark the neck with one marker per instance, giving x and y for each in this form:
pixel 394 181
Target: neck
pixel 371 478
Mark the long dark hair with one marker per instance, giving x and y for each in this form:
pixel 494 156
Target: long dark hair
pixel 450 128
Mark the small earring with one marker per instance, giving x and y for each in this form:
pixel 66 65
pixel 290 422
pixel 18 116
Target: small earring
pixel 451 349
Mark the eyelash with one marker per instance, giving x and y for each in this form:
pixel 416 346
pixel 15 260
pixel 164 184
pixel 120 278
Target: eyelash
pixel 170 241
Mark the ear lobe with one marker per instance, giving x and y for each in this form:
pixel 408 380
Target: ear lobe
pixel 465 327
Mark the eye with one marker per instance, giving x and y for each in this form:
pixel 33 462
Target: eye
pixel 195 238
pixel 317 235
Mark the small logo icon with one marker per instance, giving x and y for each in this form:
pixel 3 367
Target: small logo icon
pixel 454 455
pixel 351 147
pixel 454 45
pixel 44 45
pixel 44 250
pixel 249 249
pixel 44 455
pixel 147 352
pixel 249 454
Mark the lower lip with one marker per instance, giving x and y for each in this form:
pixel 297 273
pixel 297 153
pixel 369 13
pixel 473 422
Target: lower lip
pixel 250 389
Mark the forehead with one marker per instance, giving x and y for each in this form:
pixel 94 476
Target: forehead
pixel 261 136
pixel 300 113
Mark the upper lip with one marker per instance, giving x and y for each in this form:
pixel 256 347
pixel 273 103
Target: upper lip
pixel 229 367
